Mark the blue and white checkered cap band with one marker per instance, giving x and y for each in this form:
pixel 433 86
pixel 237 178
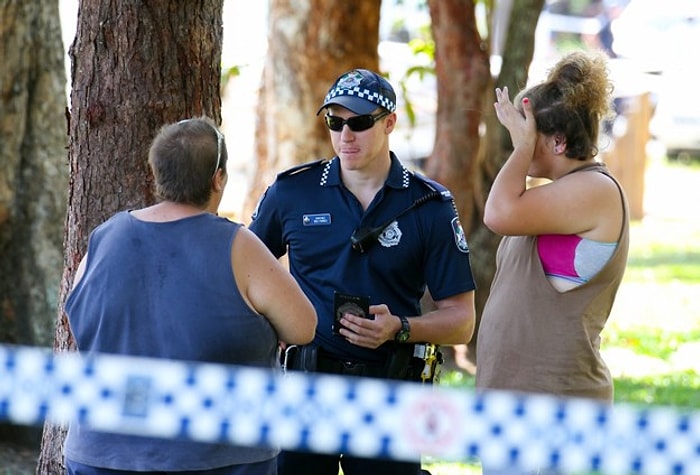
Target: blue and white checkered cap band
pixel 361 93
pixel 332 414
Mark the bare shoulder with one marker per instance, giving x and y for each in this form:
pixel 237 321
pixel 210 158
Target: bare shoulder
pixel 248 238
pixel 247 245
pixel 604 198
pixel 593 183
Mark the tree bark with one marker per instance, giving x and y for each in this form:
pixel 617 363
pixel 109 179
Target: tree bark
pixel 33 171
pixel 309 48
pixel 463 75
pixel 496 146
pixel 311 42
pixel 462 69
pixel 463 159
pixel 33 175
pixel 135 67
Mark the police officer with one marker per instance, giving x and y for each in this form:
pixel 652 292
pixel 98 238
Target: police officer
pixel 363 227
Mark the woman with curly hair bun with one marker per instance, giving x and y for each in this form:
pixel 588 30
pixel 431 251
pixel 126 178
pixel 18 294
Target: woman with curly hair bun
pixel 564 250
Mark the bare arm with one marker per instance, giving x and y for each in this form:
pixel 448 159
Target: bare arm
pixel 452 323
pixel 79 273
pixel 586 204
pixel 271 290
pixel 502 208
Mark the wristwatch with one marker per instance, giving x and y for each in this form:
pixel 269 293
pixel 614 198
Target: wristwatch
pixel 405 332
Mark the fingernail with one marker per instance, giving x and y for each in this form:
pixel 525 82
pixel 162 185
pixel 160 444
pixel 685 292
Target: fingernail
pixel 526 100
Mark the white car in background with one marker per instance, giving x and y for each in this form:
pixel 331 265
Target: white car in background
pixel 664 38
pixel 676 120
pixel 657 34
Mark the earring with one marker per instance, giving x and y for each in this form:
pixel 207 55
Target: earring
pixel 559 144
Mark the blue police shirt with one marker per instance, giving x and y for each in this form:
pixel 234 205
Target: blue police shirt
pixel 309 214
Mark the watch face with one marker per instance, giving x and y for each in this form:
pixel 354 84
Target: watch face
pixel 403 335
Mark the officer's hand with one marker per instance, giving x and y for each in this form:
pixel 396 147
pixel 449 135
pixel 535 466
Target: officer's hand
pixel 370 333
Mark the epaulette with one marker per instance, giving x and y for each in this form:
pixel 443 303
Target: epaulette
pixel 433 185
pixel 301 168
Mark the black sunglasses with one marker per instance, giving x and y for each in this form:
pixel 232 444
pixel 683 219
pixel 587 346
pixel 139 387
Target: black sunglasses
pixel 356 124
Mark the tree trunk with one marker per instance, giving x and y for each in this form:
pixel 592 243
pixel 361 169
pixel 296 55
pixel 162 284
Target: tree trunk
pixel 517 56
pixel 311 42
pixel 461 159
pixel 462 69
pixel 463 75
pixel 135 67
pixel 33 171
pixel 33 175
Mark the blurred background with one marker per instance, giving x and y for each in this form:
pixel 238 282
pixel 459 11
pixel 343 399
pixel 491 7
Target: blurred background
pixel 653 51
pixel 652 46
pixel 652 343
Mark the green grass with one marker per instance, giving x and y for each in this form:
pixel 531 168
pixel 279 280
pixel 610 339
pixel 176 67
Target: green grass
pixel 650 341
pixel 665 266
pixel 657 314
pixel 679 387
pixel 656 317
pixel 666 252
pixel 680 390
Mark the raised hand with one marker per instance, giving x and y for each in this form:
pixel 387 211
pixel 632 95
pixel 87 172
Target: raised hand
pixel 519 122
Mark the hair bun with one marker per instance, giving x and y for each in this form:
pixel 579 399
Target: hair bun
pixel 582 79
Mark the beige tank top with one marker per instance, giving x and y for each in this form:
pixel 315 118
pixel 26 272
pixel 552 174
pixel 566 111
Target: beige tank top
pixel 533 338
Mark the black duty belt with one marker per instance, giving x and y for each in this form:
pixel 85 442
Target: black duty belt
pixel 327 364
pixel 418 362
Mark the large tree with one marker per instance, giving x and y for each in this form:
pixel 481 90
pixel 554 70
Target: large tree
pixel 517 54
pixel 470 145
pixel 311 42
pixel 135 66
pixel 463 75
pixel 33 170
pixel 310 45
pixel 33 173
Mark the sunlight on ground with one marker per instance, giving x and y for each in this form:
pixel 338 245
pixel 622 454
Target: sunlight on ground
pixel 669 232
pixel 646 304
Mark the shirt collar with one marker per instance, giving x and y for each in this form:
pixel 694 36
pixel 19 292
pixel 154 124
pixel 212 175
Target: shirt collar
pixel 399 176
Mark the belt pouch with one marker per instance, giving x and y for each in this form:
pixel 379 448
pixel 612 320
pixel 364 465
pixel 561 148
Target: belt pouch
pixel 306 359
pixel 397 364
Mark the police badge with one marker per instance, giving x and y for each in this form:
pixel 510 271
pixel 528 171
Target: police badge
pixel 391 235
pixel 460 238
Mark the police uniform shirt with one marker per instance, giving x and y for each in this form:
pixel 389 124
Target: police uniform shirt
pixel 309 214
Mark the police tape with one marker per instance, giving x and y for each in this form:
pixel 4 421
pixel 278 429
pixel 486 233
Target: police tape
pixel 333 414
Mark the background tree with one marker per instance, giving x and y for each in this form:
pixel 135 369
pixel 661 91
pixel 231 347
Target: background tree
pixel 309 46
pixel 311 42
pixel 463 75
pixel 33 175
pixel 470 145
pixel 135 66
pixel 517 54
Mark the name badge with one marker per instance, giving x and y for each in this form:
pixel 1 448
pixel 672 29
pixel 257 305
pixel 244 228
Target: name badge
pixel 321 219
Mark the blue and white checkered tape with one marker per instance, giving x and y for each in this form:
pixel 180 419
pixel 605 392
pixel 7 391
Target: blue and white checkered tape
pixel 333 414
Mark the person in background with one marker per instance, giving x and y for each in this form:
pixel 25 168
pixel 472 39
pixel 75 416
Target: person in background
pixel 606 12
pixel 565 244
pixel 176 281
pixel 362 224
